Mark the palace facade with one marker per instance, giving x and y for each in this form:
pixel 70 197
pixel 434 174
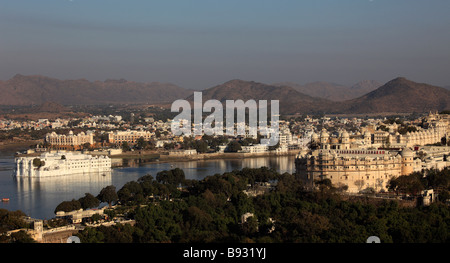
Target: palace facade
pixel 131 137
pixel 366 161
pixel 70 141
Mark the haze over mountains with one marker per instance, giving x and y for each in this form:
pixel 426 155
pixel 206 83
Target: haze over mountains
pixel 26 90
pixel 246 90
pixel 401 95
pixel 333 91
pixel 396 96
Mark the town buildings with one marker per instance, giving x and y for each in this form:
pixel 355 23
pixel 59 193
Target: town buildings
pixel 366 161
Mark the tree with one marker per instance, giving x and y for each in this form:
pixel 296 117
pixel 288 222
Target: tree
pixel 38 162
pixel 89 201
pixel 407 184
pixel 108 195
pixel 233 147
pixel 86 146
pixel 141 143
pixel 21 237
pixel 68 206
pixel 125 146
pixel 444 195
pixel 201 146
pixel 359 184
pixel 173 177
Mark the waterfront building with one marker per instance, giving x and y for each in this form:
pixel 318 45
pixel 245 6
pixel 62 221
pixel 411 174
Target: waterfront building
pixel 131 137
pixel 60 164
pixel 363 163
pixel 70 141
pixel 256 148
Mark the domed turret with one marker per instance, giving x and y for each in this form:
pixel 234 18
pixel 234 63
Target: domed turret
pixel 407 161
pixel 345 134
pixel 324 136
pixel 345 140
pixel 407 152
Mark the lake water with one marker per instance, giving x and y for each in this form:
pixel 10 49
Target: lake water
pixel 38 198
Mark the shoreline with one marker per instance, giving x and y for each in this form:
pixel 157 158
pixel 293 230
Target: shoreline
pixel 15 146
pixel 162 158
pixel 148 157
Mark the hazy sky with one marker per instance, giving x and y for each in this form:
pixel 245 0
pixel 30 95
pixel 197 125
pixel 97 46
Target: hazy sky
pixel 202 43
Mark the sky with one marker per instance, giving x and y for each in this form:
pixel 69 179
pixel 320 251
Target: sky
pixel 199 44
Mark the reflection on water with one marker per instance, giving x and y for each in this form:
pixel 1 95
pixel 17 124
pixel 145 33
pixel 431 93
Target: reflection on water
pixel 37 194
pixel 38 197
pixel 200 169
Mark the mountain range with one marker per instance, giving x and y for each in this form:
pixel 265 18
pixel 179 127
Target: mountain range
pixel 399 95
pixel 36 89
pixel 333 91
pixel 288 97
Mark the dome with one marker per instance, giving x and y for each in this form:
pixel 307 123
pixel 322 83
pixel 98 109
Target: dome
pixel 406 152
pixel 324 133
pixel 345 134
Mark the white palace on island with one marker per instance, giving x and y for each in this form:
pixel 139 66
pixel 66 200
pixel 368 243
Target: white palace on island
pixel 364 161
pixel 61 163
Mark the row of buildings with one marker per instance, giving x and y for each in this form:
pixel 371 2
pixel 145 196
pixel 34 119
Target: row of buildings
pixel 365 161
pixel 71 141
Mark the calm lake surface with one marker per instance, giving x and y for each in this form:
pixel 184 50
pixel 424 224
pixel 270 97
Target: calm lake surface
pixel 38 198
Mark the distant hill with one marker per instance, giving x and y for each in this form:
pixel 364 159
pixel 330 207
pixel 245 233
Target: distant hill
pixel 333 91
pixel 396 96
pixel 400 95
pixel 29 90
pixel 50 107
pixel 291 101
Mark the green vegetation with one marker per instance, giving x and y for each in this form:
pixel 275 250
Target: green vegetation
pixel 416 182
pixel 170 208
pixel 11 220
pixel 38 162
pixel 233 146
pixel 211 210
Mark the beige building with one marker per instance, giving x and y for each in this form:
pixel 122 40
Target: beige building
pixel 432 135
pixel 355 169
pixel 131 137
pixel 361 164
pixel 62 141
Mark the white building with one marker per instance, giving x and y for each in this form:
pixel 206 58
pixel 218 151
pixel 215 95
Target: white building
pixel 61 163
pixel 257 148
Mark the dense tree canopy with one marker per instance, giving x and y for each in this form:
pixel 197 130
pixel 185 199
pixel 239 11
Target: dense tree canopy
pixel 108 195
pixel 212 209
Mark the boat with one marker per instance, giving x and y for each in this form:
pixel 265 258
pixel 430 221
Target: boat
pixel 5 199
